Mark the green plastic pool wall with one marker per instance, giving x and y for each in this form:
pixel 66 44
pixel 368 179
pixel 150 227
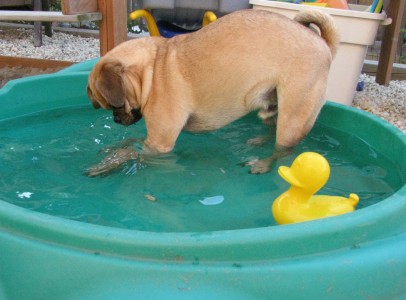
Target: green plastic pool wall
pixel 361 255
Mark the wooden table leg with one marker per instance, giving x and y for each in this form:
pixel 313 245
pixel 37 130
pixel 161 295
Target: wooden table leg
pixel 390 41
pixel 113 26
pixel 37 25
pixel 47 25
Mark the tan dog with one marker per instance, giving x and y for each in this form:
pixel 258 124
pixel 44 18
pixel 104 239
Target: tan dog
pixel 247 60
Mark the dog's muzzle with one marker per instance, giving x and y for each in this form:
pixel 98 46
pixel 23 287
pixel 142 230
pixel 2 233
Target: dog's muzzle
pixel 121 117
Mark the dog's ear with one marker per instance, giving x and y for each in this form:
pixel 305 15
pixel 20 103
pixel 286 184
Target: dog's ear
pixel 110 83
pixel 96 104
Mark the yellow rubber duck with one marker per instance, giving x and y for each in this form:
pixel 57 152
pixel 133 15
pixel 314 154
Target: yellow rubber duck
pixel 307 175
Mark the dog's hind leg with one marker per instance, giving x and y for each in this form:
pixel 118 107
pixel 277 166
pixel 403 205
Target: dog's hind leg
pixel 298 108
pixel 267 114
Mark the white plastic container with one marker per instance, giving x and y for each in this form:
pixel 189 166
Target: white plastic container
pixel 357 31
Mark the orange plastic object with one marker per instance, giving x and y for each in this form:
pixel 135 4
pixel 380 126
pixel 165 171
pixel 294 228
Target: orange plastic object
pixel 314 4
pixel 337 4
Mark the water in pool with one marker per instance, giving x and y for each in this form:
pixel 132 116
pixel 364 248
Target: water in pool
pixel 201 186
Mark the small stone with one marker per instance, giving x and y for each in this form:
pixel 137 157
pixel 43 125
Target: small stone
pixel 149 197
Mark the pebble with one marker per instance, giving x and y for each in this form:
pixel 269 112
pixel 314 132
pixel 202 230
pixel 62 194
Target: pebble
pixel 149 197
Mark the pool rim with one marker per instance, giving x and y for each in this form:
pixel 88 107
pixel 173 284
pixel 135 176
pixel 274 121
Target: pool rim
pixel 371 224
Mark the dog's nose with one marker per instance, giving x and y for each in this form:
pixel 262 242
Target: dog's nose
pixel 136 114
pixel 117 119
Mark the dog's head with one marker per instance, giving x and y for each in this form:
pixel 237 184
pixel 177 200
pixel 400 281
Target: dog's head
pixel 107 89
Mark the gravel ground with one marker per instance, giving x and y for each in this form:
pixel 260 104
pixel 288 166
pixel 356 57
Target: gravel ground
pixel 61 46
pixel 388 103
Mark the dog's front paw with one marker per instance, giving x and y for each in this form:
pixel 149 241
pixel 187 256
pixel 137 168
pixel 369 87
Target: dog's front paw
pixel 260 166
pixel 112 161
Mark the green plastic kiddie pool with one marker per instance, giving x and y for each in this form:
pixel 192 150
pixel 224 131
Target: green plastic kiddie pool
pixel 192 224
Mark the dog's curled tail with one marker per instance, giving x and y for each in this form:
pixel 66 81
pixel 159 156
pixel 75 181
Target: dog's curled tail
pixel 328 29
